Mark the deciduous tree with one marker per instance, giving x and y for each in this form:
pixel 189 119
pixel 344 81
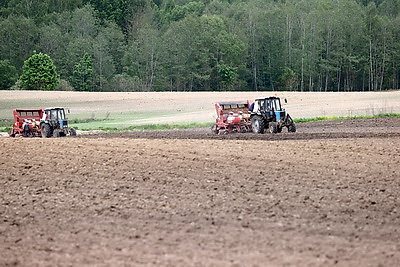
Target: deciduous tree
pixel 8 74
pixel 39 73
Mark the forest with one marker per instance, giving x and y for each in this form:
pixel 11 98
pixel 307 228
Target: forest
pixel 203 45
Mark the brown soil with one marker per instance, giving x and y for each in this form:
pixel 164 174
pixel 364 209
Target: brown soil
pixel 355 128
pixel 327 195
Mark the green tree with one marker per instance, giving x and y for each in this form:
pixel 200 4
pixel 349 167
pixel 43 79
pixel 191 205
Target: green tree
pixel 67 36
pixel 18 37
pixel 227 76
pixel 142 56
pixel 39 73
pixel 60 6
pixel 103 62
pixel 185 55
pixel 194 49
pixel 289 79
pixel 8 74
pixel 121 12
pixel 82 79
pixel 340 45
pixel 33 9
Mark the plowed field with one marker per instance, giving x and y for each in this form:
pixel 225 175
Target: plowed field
pixel 325 196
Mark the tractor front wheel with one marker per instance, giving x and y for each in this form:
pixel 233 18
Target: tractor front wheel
pixel 45 130
pixel 56 133
pixel 72 132
pixel 257 124
pixel 273 127
pixel 292 128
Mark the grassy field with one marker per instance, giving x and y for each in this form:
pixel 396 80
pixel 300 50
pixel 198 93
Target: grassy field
pixel 162 110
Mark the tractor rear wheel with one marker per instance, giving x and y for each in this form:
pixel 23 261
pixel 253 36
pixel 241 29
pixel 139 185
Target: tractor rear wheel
pixel 72 132
pixel 45 130
pixel 273 127
pixel 11 133
pixel 214 129
pixel 257 124
pixel 292 127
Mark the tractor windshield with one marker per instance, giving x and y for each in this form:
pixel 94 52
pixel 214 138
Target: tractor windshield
pixel 57 114
pixel 268 104
pixel 275 104
pixel 61 114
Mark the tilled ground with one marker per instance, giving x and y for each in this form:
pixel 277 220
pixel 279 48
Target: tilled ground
pixel 327 195
pixel 357 128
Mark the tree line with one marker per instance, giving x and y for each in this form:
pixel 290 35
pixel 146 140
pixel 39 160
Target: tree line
pixel 203 45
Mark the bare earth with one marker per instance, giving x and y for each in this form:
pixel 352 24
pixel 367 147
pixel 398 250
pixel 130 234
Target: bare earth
pixel 325 196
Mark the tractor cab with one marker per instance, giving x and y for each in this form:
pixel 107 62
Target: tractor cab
pixel 269 107
pixel 55 123
pixel 55 117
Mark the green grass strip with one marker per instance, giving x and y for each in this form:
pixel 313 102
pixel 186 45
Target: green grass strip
pixel 5 125
pixel 178 126
pixel 332 118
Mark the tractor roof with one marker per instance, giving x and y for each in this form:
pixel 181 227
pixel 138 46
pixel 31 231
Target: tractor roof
pixel 53 108
pixel 271 97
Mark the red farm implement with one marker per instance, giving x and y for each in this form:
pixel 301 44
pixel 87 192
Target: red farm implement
pixel 232 116
pixel 26 122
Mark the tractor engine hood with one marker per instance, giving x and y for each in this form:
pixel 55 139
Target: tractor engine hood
pixel 280 115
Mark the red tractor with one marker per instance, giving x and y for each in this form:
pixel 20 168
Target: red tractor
pixel 26 122
pixel 232 116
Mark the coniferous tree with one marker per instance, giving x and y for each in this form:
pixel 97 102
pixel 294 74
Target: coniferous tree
pixel 82 79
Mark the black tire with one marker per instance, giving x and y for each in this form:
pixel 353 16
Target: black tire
pixel 56 133
pixel 292 127
pixel 278 129
pixel 214 129
pixel 72 132
pixel 257 124
pixel 273 128
pixel 11 133
pixel 45 130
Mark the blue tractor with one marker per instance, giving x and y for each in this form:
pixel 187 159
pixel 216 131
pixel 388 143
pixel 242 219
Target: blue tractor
pixel 55 123
pixel 267 113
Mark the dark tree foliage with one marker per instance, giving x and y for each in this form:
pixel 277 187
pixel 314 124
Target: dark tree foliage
pixel 8 75
pixel 120 11
pixel 82 78
pixel 203 45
